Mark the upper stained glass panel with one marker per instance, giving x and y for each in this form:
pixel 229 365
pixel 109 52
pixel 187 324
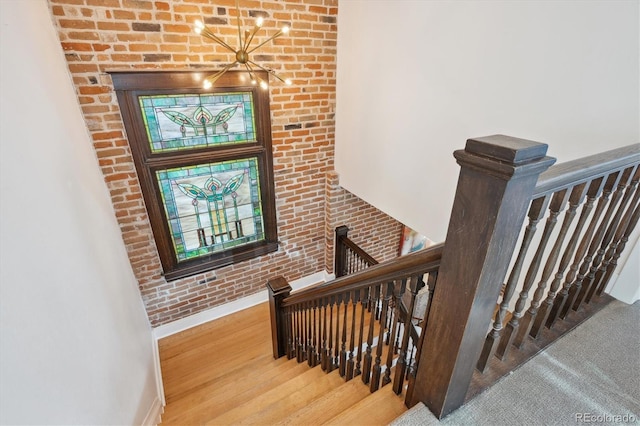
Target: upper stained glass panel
pixel 188 121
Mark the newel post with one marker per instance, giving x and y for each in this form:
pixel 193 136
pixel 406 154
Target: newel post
pixel 497 177
pixel 279 289
pixel 339 252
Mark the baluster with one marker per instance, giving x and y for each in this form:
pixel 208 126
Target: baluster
pixel 366 365
pixel 366 300
pixel 289 328
pixel 343 348
pixel 314 336
pixel 375 375
pixel 319 335
pixel 352 336
pixel 309 340
pixel 536 212
pixel 294 337
pixel 300 347
pixel 336 355
pixel 546 311
pixel 303 331
pixel 403 361
pixel 413 364
pixel 620 247
pixel 398 291
pixel 330 338
pixel 493 338
pixel 562 299
pixel 431 283
pixel 585 268
pixel 412 361
pixel 611 230
pixel 558 203
pixel 324 358
pixel 419 345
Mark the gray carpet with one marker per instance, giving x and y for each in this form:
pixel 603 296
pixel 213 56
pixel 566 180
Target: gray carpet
pixel 591 375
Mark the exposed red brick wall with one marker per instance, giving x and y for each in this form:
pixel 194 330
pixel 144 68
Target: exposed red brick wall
pixel 106 35
pixel 373 230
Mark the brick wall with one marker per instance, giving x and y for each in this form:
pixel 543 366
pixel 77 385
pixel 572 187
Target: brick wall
pixel 376 232
pixel 106 35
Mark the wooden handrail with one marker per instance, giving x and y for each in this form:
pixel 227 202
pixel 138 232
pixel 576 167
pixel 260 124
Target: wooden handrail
pixel 571 173
pixel 359 252
pixel 413 263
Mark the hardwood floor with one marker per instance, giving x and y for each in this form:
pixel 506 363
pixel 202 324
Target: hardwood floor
pixel 223 372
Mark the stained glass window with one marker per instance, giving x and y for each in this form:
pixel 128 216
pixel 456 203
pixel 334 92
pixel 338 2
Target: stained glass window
pixel 176 122
pixel 205 166
pixel 212 207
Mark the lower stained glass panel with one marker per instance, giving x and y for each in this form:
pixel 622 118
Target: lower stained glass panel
pixel 212 207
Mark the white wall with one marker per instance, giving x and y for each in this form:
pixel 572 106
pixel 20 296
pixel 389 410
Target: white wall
pixel 75 342
pixel 417 78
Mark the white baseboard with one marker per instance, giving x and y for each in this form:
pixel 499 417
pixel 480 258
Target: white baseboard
pixel 231 307
pixel 154 416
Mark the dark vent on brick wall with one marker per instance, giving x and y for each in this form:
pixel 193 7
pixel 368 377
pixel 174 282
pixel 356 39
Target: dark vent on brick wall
pixel 257 13
pixel 213 20
pixel 153 57
pixel 143 26
pixel 293 126
pixel 329 19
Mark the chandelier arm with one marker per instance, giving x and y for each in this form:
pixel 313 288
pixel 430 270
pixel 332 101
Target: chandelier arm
pixel 219 74
pixel 279 33
pixel 207 33
pixel 239 31
pixel 250 39
pixel 272 72
pixel 249 70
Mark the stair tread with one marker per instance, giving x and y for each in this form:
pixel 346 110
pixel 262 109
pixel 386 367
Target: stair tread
pixel 313 381
pixel 378 408
pixel 329 405
pixel 216 397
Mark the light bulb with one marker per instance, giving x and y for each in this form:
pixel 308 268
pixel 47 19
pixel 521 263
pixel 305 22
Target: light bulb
pixel 259 21
pixel 197 30
pixel 207 84
pixel 198 23
pixel 285 29
pixel 263 84
pixel 254 82
pixel 287 82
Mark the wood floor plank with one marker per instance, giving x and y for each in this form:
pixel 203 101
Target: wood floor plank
pixel 271 405
pixel 215 401
pixel 378 408
pixel 329 405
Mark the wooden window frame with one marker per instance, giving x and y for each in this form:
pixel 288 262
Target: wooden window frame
pixel 130 85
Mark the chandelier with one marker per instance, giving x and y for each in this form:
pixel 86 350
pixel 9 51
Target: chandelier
pixel 242 53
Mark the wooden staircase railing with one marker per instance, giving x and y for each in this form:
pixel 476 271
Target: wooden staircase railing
pixel 358 323
pixel 607 181
pixel 502 181
pixel 348 256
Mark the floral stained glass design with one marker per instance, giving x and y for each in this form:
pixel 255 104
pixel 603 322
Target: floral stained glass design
pixel 212 207
pixel 178 122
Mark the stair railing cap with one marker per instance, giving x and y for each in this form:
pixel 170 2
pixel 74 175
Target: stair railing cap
pixel 506 148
